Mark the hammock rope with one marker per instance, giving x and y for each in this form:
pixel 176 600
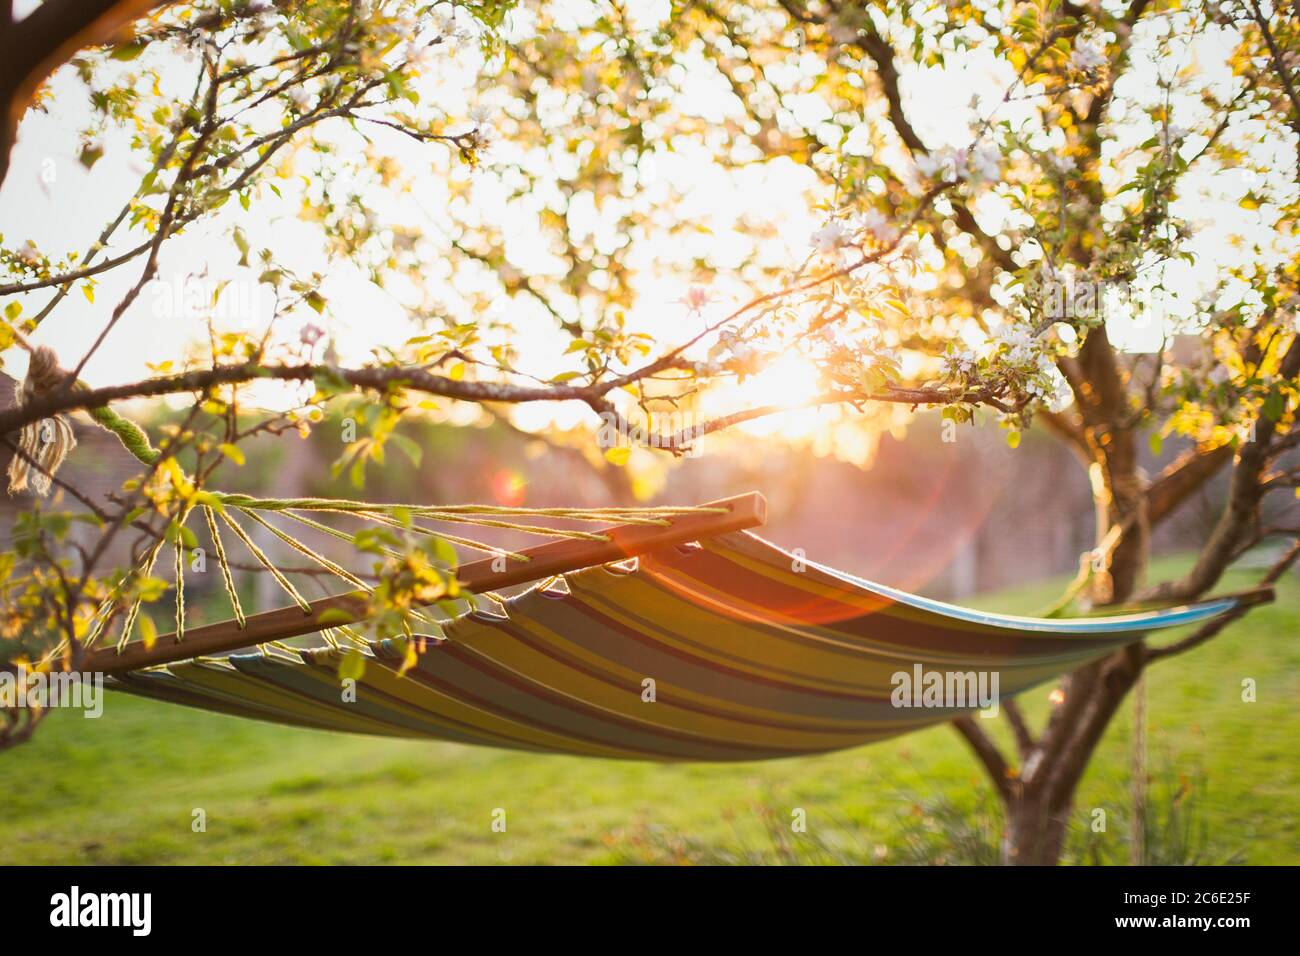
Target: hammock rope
pixel 231 509
pixel 266 562
pixel 227 578
pixel 309 553
pixel 452 538
pixel 179 549
pixel 128 625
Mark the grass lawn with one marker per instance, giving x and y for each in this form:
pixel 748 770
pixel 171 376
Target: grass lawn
pixel 122 789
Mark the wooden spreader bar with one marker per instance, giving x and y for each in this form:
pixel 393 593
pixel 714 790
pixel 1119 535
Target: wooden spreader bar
pixel 625 541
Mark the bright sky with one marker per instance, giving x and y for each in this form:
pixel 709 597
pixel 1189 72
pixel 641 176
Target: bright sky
pixel 51 199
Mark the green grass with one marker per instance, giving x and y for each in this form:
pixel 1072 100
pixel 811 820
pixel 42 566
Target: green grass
pixel 122 789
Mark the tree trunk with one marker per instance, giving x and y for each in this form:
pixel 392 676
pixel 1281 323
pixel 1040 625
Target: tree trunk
pixel 1038 806
pixel 1034 833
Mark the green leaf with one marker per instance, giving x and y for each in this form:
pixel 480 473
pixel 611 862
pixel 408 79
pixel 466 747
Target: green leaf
pixel 329 382
pixel 129 51
pixel 357 473
pixel 352 666
pixel 178 533
pixel 90 155
pixel 1274 405
pixel 241 243
pixel 410 448
pixel 210 500
pixel 445 553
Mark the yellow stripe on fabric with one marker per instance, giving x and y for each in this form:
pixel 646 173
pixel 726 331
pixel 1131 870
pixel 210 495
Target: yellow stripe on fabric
pixel 590 692
pixel 431 700
pixel 868 672
pixel 737 644
pixel 473 635
pixel 229 682
pixel 375 689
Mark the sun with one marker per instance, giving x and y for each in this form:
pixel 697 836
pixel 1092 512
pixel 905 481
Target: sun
pixel 791 382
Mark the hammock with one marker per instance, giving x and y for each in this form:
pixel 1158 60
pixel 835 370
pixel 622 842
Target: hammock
pixel 729 649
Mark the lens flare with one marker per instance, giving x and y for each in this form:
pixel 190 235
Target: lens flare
pixel 508 488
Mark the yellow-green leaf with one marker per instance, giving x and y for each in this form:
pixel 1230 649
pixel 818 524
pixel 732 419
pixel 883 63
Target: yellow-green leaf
pixel 352 666
pixel 233 452
pixel 148 630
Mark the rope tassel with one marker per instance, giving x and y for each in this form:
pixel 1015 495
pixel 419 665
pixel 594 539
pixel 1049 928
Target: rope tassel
pixel 42 445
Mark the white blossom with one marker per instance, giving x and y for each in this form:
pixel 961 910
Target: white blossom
pixel 1063 164
pixel 1219 375
pixel 981 164
pixel 1171 135
pixel 1086 57
pixel 479 139
pixel 419 55
pixel 300 99
pixel 1021 346
pixel 876 223
pixel 930 164
pixel 830 237
pixel 961 361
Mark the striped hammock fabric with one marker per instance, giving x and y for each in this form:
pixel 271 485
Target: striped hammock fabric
pixel 729 650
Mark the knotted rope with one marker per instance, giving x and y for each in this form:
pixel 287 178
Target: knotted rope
pixel 43 444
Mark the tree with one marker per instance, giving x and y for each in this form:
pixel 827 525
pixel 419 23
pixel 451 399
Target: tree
pixel 982 257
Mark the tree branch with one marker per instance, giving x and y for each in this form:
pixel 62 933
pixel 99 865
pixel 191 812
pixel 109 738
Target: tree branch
pixel 1212 628
pixel 420 379
pixel 1242 508
pixel 989 755
pixel 34 47
pixel 1182 478
pixel 1020 727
